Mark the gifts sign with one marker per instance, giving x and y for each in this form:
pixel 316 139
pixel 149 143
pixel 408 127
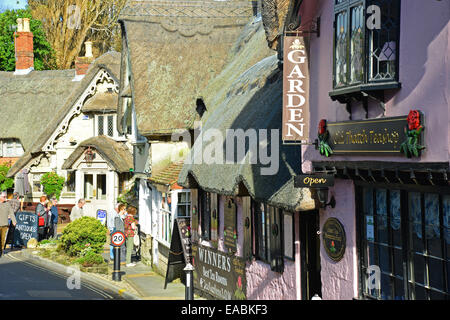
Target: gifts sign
pixel 295 91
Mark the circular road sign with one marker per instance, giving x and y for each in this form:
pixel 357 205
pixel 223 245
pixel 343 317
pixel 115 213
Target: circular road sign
pixel 117 238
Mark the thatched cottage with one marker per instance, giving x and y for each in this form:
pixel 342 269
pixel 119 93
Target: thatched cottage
pixel 65 121
pixel 171 50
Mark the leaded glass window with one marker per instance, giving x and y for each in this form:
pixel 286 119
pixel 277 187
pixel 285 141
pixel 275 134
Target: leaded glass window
pixel 365 41
pixel 405 240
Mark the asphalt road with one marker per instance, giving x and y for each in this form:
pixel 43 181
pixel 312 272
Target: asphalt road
pixel 20 280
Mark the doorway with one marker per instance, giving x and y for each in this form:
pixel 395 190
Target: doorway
pixel 310 254
pixel 95 192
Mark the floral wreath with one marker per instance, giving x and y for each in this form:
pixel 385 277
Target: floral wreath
pixel 411 147
pixel 324 147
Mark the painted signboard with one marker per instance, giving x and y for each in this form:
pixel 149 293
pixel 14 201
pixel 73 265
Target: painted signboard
pixel 219 274
pixel 295 90
pixel 333 238
pixel 230 225
pixel 313 180
pixel 26 228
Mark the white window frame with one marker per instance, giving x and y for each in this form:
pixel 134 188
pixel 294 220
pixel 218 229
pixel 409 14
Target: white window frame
pixel 105 125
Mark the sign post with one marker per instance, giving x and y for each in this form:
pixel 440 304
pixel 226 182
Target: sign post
pixel 117 239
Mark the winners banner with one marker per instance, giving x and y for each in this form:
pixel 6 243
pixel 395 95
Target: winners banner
pixel 295 91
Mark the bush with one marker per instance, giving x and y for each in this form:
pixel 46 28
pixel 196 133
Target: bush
pixel 83 233
pixel 90 258
pixel 53 184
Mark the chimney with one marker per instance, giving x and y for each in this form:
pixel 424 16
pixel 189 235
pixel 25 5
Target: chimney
pixel 82 63
pixel 23 41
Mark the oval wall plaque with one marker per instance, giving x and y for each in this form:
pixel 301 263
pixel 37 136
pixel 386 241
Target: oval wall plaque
pixel 333 237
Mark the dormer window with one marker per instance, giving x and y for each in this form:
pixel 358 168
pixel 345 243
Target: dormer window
pixel 105 125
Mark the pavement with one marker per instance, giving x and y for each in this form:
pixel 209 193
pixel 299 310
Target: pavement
pixel 148 284
pixel 138 283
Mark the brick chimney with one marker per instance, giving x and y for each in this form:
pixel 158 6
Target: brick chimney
pixel 82 63
pixel 23 41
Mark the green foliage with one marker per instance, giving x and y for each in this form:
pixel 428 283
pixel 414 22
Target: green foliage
pixel 44 57
pixel 127 197
pixel 81 234
pixel 5 183
pixel 53 184
pixel 90 258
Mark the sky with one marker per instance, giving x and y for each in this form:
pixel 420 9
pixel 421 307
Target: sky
pixel 12 4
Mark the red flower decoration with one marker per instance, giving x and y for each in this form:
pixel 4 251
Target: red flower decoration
pixel 413 120
pixel 322 126
pixel 239 282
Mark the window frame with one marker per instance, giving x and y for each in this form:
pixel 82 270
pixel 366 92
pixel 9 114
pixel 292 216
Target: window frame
pixel 105 128
pixel 366 84
pixel 272 215
pixel 186 204
pixel 407 251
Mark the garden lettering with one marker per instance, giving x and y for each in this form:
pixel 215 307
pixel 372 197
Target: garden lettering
pixel 295 91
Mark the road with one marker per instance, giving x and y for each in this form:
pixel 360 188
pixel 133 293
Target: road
pixel 20 280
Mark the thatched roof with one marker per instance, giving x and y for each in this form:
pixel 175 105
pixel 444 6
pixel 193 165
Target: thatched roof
pixel 169 175
pixel 175 48
pixel 29 102
pixel 252 101
pixel 35 104
pixel 116 154
pixel 101 102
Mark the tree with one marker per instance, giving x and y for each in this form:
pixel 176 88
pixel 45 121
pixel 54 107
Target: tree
pixel 53 184
pixel 69 23
pixel 43 52
pixel 5 183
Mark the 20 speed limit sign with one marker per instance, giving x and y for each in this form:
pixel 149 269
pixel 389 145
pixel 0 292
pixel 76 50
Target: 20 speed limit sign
pixel 117 238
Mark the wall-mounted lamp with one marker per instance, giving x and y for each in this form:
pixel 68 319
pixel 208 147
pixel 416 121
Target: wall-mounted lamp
pixel 322 197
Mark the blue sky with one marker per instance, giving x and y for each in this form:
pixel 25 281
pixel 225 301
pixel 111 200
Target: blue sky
pixel 12 4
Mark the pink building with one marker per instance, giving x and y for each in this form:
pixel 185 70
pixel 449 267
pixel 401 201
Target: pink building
pixel 379 80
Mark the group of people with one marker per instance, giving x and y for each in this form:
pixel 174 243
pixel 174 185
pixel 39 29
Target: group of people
pixel 123 219
pixel 47 212
pixel 8 210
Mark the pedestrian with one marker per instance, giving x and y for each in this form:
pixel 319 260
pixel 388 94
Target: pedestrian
pixel 42 213
pixel 77 210
pixel 110 224
pixel 54 219
pixel 6 212
pixel 130 230
pixel 119 225
pixel 16 205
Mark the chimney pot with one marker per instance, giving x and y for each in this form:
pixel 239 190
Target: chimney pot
pixel 88 45
pixel 26 25
pixel 19 24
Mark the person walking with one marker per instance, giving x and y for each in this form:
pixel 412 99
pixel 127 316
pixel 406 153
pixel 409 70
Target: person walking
pixel 54 219
pixel 77 210
pixel 6 212
pixel 16 205
pixel 110 224
pixel 119 225
pixel 42 213
pixel 130 230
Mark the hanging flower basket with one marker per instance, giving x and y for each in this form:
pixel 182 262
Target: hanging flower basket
pixel 411 147
pixel 324 147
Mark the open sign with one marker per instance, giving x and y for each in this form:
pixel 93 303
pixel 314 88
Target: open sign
pixel 117 239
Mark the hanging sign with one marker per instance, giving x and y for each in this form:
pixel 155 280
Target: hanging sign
pixel 333 238
pixel 314 181
pixel 295 91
